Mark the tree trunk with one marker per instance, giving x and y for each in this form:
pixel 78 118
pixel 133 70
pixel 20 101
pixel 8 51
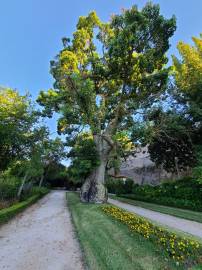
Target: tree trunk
pixel 41 181
pixel 22 185
pixel 93 189
pixel 177 168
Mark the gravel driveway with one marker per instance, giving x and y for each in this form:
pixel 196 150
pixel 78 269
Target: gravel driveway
pixel 187 226
pixel 41 238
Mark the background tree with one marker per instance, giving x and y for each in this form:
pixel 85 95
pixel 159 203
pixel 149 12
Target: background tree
pixel 168 135
pixel 83 156
pixel 56 175
pixel 103 75
pixel 53 152
pixel 171 144
pixel 188 81
pixel 30 167
pixel 17 120
pixel 173 131
pixel 188 77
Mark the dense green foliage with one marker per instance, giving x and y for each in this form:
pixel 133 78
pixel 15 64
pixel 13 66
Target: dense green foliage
pixel 171 145
pixel 55 175
pixel 173 127
pixel 84 158
pixel 17 122
pixel 188 77
pixel 185 193
pixel 134 45
pixel 118 186
pixel 9 212
pixel 26 150
pixel 8 188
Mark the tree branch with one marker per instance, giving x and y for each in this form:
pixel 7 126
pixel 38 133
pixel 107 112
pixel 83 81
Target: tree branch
pixel 108 140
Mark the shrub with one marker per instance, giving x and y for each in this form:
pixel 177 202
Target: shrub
pixel 185 193
pixel 8 213
pixel 8 187
pixel 167 201
pixel 180 249
pixel 119 186
pixel 128 186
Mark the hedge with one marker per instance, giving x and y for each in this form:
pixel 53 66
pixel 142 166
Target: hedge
pixel 185 193
pixel 8 213
pixel 167 201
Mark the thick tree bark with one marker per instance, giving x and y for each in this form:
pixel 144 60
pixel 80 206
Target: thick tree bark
pixel 93 189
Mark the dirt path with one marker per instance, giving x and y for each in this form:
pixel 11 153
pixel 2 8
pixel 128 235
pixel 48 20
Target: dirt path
pixel 187 226
pixel 41 238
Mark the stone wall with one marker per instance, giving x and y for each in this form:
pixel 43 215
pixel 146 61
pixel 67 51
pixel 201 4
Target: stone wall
pixel 142 170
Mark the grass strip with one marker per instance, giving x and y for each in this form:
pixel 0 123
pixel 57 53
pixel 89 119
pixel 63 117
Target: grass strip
pixel 109 245
pixel 183 250
pixel 7 213
pixel 177 212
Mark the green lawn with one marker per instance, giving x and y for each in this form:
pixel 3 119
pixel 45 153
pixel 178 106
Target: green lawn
pixel 109 244
pixel 177 212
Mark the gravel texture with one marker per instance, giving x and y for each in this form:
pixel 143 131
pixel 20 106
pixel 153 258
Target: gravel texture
pixel 41 238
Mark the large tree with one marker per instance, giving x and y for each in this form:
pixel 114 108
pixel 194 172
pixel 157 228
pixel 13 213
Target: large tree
pixel 104 73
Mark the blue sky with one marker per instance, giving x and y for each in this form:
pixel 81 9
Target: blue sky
pixel 31 32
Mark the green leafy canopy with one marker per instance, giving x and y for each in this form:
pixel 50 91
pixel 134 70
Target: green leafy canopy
pixel 107 70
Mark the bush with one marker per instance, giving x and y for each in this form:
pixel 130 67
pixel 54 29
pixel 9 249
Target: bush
pixel 8 188
pixel 167 201
pixel 185 193
pixel 8 213
pixel 119 186
pixel 38 190
pixel 182 250
pixel 128 186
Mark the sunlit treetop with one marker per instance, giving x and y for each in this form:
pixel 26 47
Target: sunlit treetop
pixel 107 70
pixel 188 70
pixel 11 103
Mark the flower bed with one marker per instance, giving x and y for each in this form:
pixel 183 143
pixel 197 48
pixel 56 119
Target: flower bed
pixel 182 250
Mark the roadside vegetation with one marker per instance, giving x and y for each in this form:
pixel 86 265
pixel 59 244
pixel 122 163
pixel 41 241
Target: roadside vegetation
pixel 9 212
pixel 183 250
pixel 109 244
pixel 104 249
pixel 26 153
pixel 185 193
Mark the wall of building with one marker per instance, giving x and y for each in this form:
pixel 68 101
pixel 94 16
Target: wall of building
pixel 142 170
